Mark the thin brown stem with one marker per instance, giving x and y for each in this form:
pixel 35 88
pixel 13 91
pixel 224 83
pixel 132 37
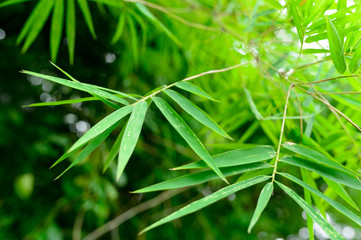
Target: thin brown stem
pixel 330 79
pixel 114 223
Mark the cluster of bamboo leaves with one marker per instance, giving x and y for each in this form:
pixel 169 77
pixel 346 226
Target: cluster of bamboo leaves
pixel 341 29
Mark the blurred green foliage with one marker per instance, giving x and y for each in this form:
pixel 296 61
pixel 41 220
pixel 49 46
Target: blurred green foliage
pixel 138 49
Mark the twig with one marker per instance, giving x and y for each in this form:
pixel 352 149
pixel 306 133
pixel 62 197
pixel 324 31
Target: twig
pixel 281 134
pixel 330 79
pixel 78 225
pixel 131 213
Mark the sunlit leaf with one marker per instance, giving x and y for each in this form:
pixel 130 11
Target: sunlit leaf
pixel 186 132
pixel 70 28
pixel 196 112
pixel 208 200
pixel 120 27
pixel 193 89
pixel 336 47
pixel 326 171
pixel 83 4
pixel 131 135
pixel 236 157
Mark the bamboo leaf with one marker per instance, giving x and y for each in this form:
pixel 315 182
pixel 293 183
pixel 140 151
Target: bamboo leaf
pixel 329 230
pixel 156 22
pixel 70 101
pixel 90 147
pixel 330 201
pixel 184 130
pixel 196 112
pixel 355 62
pixel 114 150
pixel 35 23
pixel 97 129
pixel 253 106
pixel 80 86
pixel 11 2
pixel 131 135
pixel 318 157
pixel 83 4
pixel 201 177
pixel 120 27
pixel 56 30
pixel 193 89
pixel 297 17
pixel 336 47
pixel 208 200
pixel 328 172
pixel 262 202
pixel 235 157
pixel 340 191
pixel 70 28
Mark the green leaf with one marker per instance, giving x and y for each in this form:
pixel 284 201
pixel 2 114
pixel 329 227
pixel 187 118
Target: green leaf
pixel 194 89
pixel 297 17
pixel 156 22
pixel 56 30
pixel 262 202
pixel 318 157
pixel 196 112
pixel 208 200
pixel 80 86
pixel 330 201
pixel 131 135
pixel 253 106
pixel 70 28
pixel 186 132
pixel 90 147
pixel 35 23
pixel 314 51
pixel 236 157
pixel 71 101
pixel 120 27
pixel 355 62
pixel 113 151
pixel 326 171
pixel 97 129
pixel 83 4
pixel 329 230
pixel 336 47
pixel 11 2
pixel 340 191
pixel 201 177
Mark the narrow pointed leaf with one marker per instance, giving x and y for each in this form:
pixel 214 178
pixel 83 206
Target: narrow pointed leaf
pixel 297 17
pixel 120 27
pixel 330 201
pixel 328 172
pixel 262 202
pixel 36 24
pixel 201 177
pixel 252 105
pixel 11 2
pixel 157 23
pixel 97 129
pixel 83 4
pixel 196 112
pixel 70 101
pixel 80 86
pixel 186 132
pixel 206 201
pixel 336 47
pixel 131 135
pixel 329 230
pixel 189 87
pixel 340 191
pixel 90 148
pixel 356 60
pixel 70 28
pixel 113 151
pixel 56 30
pixel 236 157
pixel 316 156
